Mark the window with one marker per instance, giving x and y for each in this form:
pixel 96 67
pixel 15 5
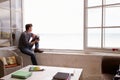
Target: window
pixel 10 22
pixel 58 22
pixel 4 23
pixel 102 21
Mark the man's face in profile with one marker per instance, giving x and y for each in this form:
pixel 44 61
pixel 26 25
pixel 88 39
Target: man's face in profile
pixel 30 29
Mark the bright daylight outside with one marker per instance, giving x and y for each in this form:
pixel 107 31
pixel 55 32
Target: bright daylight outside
pixel 59 23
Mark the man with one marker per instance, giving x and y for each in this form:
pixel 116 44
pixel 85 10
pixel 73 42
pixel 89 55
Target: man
pixel 25 45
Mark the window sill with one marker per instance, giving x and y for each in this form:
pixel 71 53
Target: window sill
pixel 79 53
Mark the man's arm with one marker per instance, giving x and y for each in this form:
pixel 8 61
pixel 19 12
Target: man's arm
pixel 25 40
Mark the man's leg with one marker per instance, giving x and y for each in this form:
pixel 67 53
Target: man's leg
pixel 37 48
pixel 31 54
pixel 37 45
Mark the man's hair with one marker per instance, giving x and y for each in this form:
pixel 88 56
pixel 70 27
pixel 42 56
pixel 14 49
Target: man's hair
pixel 27 26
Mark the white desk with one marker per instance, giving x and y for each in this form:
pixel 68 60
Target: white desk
pixel 48 73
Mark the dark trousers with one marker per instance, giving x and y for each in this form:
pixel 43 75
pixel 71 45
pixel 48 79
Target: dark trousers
pixel 28 50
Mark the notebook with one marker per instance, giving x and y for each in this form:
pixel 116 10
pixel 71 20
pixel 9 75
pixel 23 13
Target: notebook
pixel 61 76
pixel 21 74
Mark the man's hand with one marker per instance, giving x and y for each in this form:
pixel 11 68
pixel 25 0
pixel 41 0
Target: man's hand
pixel 34 35
pixel 37 40
pixel 33 42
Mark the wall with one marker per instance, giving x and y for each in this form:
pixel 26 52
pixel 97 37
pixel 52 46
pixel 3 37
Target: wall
pixel 90 64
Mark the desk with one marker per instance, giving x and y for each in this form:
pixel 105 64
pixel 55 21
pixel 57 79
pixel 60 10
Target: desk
pixel 48 73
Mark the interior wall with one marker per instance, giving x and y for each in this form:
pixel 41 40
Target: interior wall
pixel 90 64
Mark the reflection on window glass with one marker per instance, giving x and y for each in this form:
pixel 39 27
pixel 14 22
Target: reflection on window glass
pixel 16 4
pixel 94 17
pixel 9 20
pixel 94 38
pixel 112 16
pixel 18 19
pixel 94 2
pixel 112 1
pixel 5 34
pixel 5 23
pixel 112 39
pixel 5 4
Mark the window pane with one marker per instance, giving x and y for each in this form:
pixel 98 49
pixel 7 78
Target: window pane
pixel 112 1
pixel 16 21
pixel 16 4
pixel 112 38
pixel 112 16
pixel 5 23
pixel 61 41
pixel 94 2
pixel 94 38
pixel 5 4
pixel 59 22
pixel 94 17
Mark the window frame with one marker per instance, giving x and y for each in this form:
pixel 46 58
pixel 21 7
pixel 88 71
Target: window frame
pixel 102 27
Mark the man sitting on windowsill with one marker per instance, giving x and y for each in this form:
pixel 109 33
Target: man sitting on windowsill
pixel 25 45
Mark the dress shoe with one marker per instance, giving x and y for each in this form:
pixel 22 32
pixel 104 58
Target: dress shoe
pixel 38 50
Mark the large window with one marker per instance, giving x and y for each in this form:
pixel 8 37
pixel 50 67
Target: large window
pixel 102 20
pixel 4 23
pixel 10 22
pixel 58 22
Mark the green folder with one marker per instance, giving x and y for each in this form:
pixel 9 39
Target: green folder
pixel 21 74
